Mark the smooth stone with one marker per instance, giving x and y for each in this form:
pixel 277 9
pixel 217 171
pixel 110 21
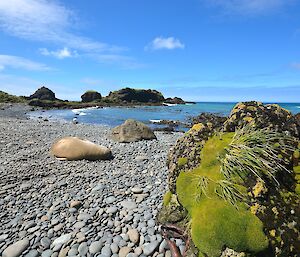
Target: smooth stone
pixel 45 242
pixel 110 199
pixel 124 251
pixel 95 247
pixel 3 237
pixel 98 188
pixel 62 239
pixel 114 248
pixel 151 223
pixel 83 249
pixel 112 210
pixel 73 252
pixel 149 248
pixel 129 205
pixel 57 247
pixel 138 251
pixel 168 253
pixel 131 255
pixel 47 253
pixel 63 252
pixel 79 224
pixel 16 248
pixel 75 204
pixel 84 216
pixel 106 251
pixel 32 253
pixel 136 190
pixel 134 236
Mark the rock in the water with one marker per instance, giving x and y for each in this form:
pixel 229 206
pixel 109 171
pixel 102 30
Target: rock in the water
pixel 16 249
pixel 131 95
pixel 74 148
pixel 175 100
pixel 132 131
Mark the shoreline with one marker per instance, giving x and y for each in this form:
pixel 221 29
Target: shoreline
pixel 118 200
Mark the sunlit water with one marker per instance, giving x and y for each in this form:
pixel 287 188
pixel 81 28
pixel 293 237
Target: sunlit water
pixel 113 116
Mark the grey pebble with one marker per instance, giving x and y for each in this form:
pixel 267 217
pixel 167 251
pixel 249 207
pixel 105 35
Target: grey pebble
pixel 95 247
pixel 149 248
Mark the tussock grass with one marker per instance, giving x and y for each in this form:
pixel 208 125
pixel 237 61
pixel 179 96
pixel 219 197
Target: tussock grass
pixel 257 152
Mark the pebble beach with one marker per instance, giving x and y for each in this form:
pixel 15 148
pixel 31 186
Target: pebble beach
pixel 50 207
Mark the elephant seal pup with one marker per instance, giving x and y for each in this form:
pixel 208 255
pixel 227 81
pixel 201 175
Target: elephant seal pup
pixel 74 148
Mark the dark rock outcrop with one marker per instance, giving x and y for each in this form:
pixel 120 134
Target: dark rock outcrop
pixel 132 131
pixel 43 93
pixel 131 95
pixel 207 118
pixel 90 96
pixel 270 115
pixel 175 100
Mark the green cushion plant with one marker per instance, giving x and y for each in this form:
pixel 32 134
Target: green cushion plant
pixel 215 194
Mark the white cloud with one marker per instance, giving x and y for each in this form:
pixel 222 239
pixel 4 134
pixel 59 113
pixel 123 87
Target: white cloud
pixel 45 21
pixel 249 7
pixel 60 54
pixel 168 43
pixel 17 62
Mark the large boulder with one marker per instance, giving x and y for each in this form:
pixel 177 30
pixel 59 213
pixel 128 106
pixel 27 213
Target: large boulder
pixel 90 96
pixel 132 131
pixel 131 95
pixel 43 93
pixel 74 148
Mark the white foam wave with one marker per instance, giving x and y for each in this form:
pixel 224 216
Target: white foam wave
pixel 155 121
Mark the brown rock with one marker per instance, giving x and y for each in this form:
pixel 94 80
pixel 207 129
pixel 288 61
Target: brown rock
pixel 132 131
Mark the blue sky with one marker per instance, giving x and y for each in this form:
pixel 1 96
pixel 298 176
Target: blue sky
pixel 201 50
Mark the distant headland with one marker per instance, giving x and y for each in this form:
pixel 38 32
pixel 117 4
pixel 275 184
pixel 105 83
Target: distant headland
pixel 45 98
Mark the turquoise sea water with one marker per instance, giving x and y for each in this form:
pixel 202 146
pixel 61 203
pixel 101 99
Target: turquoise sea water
pixel 113 116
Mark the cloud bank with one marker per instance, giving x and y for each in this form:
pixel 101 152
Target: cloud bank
pixel 248 7
pixel 17 62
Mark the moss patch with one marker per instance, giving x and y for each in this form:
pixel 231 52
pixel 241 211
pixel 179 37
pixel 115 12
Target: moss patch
pixel 167 198
pixel 215 222
pixel 182 161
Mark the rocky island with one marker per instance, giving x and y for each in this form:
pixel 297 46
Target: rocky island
pixel 46 98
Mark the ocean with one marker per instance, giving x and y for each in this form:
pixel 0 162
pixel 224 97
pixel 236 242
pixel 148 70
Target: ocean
pixel 113 116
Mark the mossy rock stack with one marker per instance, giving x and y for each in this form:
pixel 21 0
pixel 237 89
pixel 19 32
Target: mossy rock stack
pixel 237 184
pixel 91 96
